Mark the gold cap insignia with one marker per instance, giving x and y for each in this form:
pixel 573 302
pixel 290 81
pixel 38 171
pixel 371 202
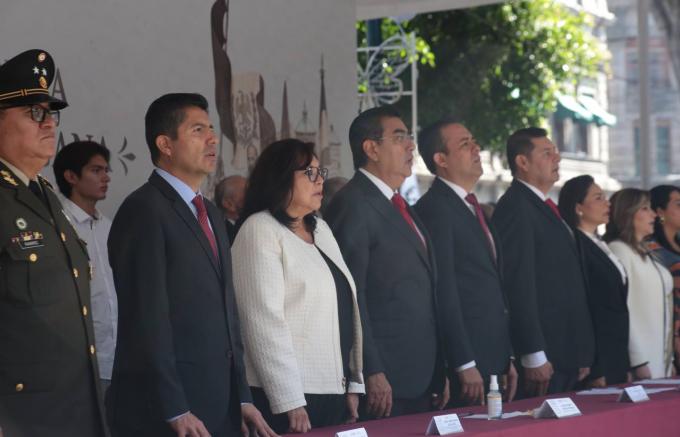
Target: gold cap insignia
pixel 43 82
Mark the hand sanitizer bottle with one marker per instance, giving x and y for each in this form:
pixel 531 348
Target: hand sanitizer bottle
pixel 494 401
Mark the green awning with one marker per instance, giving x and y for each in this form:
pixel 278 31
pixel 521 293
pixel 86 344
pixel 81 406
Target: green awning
pixel 600 115
pixel 568 106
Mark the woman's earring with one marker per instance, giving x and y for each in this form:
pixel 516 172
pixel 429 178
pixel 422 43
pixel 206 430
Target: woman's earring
pixel 579 213
pixel 662 219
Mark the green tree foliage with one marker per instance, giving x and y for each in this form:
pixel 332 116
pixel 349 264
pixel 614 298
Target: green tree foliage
pixel 499 67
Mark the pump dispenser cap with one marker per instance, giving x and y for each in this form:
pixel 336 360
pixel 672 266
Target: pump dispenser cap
pixel 494 383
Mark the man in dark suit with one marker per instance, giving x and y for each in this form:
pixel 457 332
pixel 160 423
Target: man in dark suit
pixel 550 325
pixel 471 302
pixel 229 195
pixel 389 253
pixel 179 360
pixel 49 382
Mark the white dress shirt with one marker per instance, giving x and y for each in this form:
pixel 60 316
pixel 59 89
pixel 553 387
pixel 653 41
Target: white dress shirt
pixel 94 230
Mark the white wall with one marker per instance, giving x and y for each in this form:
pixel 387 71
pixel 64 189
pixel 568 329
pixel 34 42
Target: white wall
pixel 116 57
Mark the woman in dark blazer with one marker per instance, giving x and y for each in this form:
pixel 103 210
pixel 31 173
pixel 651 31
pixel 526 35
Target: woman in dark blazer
pixel 584 206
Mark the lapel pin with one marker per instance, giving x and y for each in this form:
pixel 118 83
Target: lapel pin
pixel 21 223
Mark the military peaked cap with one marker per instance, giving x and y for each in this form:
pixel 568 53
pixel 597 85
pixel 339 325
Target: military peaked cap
pixel 26 78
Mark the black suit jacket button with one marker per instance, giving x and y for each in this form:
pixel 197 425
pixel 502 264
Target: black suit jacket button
pixel 230 354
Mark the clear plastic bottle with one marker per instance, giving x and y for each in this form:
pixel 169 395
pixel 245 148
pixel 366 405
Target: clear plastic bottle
pixel 494 401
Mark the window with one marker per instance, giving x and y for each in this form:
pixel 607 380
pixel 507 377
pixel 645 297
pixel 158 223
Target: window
pixel 663 147
pixel 659 63
pixel 571 137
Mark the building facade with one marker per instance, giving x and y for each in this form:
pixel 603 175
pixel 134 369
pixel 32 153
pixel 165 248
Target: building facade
pixel 624 99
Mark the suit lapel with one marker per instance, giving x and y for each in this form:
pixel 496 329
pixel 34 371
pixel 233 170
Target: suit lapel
pixel 592 248
pixel 24 195
pixel 545 210
pixel 187 216
pixel 385 208
pixel 470 219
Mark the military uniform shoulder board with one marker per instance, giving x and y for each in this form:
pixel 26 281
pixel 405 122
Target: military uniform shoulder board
pixel 8 177
pixel 45 182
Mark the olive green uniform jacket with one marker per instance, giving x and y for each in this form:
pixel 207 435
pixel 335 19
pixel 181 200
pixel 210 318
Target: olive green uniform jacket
pixel 48 368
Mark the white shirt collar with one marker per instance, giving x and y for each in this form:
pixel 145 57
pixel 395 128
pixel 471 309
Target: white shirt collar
pixel 77 212
pixel 536 191
pixel 460 191
pixel 20 174
pixel 382 186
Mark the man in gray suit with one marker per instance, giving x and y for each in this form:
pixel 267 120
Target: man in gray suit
pixel 389 252
pixel 475 319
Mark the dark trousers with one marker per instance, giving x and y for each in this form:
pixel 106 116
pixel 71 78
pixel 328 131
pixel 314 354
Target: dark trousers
pixel 400 407
pixel 322 409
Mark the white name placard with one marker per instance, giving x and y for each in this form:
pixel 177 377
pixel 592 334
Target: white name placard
pixel 356 432
pixel 445 424
pixel 559 408
pixel 633 394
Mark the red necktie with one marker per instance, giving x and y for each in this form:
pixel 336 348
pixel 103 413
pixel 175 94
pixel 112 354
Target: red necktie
pixel 552 206
pixel 400 204
pixel 203 221
pixel 472 200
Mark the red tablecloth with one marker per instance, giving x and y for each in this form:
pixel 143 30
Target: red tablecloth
pixel 602 416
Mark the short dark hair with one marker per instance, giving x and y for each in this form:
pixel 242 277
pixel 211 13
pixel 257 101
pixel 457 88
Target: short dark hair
pixel 574 191
pixel 271 181
pixel 164 116
pixel 660 196
pixel 366 126
pixel 624 204
pixel 74 156
pixel 521 143
pixel 431 141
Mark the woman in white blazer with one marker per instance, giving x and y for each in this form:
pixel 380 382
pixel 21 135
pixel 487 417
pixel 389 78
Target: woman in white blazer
pixel 650 305
pixel 296 297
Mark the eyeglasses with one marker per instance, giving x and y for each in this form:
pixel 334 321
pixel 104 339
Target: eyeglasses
pixel 399 138
pixel 39 114
pixel 313 173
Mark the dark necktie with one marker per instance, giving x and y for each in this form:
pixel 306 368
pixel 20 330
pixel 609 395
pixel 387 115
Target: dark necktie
pixel 400 204
pixel 554 208
pixel 203 221
pixel 472 200
pixel 35 188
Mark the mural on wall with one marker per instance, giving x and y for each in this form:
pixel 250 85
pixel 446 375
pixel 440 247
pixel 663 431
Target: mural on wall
pixel 244 122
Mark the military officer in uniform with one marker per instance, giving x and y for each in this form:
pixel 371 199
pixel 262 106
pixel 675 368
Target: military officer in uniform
pixel 48 367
